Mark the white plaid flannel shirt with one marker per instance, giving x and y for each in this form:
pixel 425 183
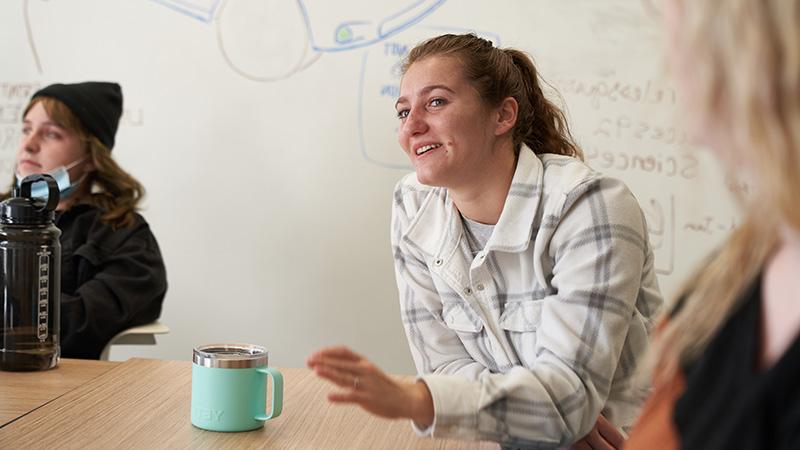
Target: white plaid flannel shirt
pixel 529 341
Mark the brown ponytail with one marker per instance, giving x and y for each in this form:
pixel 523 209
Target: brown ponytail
pixel 501 73
pixel 540 123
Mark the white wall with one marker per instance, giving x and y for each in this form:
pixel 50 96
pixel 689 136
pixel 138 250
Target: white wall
pixel 267 145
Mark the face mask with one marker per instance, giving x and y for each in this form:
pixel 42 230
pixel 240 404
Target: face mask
pixel 61 175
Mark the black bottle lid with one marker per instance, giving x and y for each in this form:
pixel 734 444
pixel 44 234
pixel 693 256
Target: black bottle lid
pixel 22 209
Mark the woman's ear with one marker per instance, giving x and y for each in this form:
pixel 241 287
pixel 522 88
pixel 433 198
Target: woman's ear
pixel 506 116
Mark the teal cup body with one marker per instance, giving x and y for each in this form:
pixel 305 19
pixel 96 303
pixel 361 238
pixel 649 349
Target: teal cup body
pixel 229 387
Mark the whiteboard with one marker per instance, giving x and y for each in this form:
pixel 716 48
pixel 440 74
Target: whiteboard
pixel 264 132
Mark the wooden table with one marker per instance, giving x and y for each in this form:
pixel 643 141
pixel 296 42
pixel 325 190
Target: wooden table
pixel 145 403
pixel 23 392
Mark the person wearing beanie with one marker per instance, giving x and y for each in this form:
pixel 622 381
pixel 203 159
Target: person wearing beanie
pixel 112 273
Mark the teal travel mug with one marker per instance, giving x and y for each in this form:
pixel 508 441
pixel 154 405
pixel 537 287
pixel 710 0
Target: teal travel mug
pixel 229 387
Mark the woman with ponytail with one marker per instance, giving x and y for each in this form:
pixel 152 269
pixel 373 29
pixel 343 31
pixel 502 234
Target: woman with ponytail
pixel 726 359
pixel 526 279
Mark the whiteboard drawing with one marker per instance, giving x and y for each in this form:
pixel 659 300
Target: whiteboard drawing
pixel 263 40
pixel 356 24
pixel 271 40
pixel 659 211
pixel 29 36
pixel 202 10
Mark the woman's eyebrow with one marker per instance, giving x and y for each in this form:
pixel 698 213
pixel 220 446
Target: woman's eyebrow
pixel 46 122
pixel 424 91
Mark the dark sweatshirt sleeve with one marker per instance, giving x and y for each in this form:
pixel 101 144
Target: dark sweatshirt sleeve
pixel 122 283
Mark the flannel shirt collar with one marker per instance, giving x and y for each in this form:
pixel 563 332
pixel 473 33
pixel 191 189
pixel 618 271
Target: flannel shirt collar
pixel 437 227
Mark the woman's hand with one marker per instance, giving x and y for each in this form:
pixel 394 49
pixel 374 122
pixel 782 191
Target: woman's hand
pixel 366 385
pixel 604 436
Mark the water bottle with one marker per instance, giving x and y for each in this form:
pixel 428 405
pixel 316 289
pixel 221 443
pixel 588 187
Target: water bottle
pixel 30 278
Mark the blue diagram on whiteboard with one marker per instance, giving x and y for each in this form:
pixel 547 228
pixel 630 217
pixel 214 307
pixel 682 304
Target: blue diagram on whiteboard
pixel 379 87
pixel 202 10
pixel 268 40
pixel 367 21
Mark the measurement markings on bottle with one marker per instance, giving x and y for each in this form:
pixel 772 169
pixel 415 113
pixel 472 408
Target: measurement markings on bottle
pixel 44 294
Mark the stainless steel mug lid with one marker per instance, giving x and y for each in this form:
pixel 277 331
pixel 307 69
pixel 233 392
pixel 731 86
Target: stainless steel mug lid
pixel 230 356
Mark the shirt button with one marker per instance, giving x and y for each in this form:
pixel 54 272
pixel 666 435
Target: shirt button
pixel 479 287
pixel 481 254
pixel 468 291
pixel 438 261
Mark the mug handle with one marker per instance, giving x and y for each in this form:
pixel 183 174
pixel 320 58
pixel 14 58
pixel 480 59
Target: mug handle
pixel 277 393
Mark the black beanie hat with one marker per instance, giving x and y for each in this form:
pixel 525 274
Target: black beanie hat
pixel 97 104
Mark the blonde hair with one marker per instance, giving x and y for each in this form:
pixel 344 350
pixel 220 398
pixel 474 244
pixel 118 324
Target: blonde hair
pixel 114 191
pixel 501 73
pixel 745 61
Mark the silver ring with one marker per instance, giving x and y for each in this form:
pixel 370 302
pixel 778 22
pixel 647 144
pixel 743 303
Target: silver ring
pixel 356 383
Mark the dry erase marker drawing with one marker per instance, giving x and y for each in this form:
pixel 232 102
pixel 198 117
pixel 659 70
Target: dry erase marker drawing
pixel 268 40
pixel 271 40
pixel 660 214
pixel 29 36
pixel 202 10
pixel 338 26
pixel 263 40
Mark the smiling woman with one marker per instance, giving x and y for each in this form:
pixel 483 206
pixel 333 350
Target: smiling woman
pixel 526 279
pixel 447 124
pixel 112 274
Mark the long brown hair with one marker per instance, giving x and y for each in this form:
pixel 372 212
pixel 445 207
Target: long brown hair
pixel 113 190
pixel 744 58
pixel 501 73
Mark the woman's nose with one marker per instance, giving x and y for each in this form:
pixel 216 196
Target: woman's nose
pixel 415 123
pixel 30 142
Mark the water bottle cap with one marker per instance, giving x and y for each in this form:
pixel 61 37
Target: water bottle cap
pixel 21 208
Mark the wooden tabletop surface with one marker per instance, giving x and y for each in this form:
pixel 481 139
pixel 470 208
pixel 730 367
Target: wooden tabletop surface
pixel 22 392
pixel 145 403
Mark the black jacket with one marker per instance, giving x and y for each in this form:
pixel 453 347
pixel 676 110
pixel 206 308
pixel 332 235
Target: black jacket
pixel 110 280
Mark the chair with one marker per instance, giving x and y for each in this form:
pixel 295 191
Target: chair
pixel 141 335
